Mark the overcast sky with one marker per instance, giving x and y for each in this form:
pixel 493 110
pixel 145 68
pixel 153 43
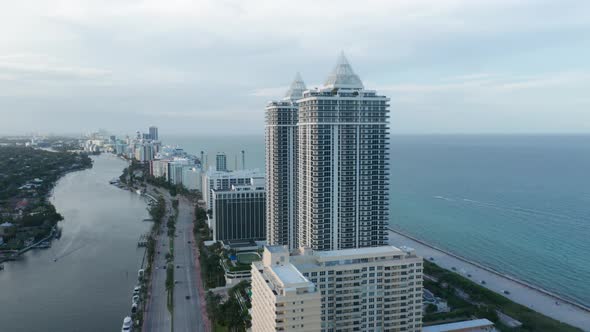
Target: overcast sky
pixel 449 66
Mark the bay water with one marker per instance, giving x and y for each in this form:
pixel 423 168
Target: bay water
pixel 85 280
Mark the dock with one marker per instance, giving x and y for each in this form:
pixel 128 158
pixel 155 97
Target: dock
pixel 143 240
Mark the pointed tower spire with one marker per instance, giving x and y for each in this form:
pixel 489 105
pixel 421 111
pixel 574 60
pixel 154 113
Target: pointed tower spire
pixel 343 76
pixel 296 89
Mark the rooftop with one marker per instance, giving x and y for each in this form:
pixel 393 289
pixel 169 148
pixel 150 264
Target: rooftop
pixel 343 76
pixel 296 89
pixel 288 274
pixel 469 324
pixel 385 250
pixel 277 249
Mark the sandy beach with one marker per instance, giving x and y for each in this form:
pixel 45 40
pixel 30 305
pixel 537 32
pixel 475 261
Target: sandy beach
pixel 539 300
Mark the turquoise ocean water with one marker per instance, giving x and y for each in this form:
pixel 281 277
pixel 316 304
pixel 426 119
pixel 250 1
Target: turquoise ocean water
pixel 519 204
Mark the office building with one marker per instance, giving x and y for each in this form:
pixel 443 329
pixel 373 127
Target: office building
pixel 153 135
pixel 282 298
pixel 221 162
pixel 220 180
pixel 281 167
pixel 343 151
pixel 239 212
pixel 364 289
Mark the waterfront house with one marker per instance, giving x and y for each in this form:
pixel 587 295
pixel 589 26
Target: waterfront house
pixel 6 228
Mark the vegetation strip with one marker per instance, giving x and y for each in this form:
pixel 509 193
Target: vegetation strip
pixel 468 299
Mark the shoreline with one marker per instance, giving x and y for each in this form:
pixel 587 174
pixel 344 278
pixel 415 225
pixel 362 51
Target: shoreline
pixel 534 297
pixel 47 198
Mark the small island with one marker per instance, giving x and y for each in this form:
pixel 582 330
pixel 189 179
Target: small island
pixel 27 176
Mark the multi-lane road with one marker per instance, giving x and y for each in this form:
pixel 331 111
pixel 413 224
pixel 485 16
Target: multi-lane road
pixel 189 312
pixel 187 297
pixel 157 317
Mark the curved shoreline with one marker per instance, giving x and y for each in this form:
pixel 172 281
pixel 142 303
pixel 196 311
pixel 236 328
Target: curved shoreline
pixel 491 270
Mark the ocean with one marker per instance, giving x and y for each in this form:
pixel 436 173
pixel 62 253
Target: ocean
pixel 517 203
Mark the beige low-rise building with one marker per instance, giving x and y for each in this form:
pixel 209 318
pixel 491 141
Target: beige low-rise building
pixel 282 298
pixel 364 289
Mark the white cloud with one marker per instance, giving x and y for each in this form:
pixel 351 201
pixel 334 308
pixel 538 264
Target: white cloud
pixel 206 57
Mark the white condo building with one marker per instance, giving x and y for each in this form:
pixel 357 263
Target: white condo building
pixel 281 167
pixel 343 151
pixel 339 188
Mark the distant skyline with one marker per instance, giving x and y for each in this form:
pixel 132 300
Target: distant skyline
pixel 203 67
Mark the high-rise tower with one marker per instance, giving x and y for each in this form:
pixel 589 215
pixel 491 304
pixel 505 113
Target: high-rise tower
pixel 342 172
pixel 281 167
pixel 221 162
pixel 153 133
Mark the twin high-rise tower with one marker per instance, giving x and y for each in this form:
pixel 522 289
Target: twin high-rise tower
pixel 327 155
pixel 327 152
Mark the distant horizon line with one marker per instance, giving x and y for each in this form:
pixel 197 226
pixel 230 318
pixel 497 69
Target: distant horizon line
pixel 262 134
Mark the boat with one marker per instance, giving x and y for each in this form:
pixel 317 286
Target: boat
pixel 127 325
pixel 1 267
pixel 58 233
pixel 138 191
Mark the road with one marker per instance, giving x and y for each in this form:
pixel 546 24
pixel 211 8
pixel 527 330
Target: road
pixel 157 316
pixel 188 315
pixel 519 293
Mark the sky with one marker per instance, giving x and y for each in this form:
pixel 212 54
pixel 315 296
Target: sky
pixel 205 67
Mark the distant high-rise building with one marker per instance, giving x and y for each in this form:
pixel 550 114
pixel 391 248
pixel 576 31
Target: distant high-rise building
pixel 221 162
pixel 281 167
pixel 342 175
pixel 153 133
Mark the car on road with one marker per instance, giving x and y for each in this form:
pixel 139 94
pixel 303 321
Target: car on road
pixel 454 268
pixel 176 281
pixel 431 258
pixel 187 297
pixel 483 282
pixel 506 292
pixel 178 266
pixel 135 299
pixel 469 275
